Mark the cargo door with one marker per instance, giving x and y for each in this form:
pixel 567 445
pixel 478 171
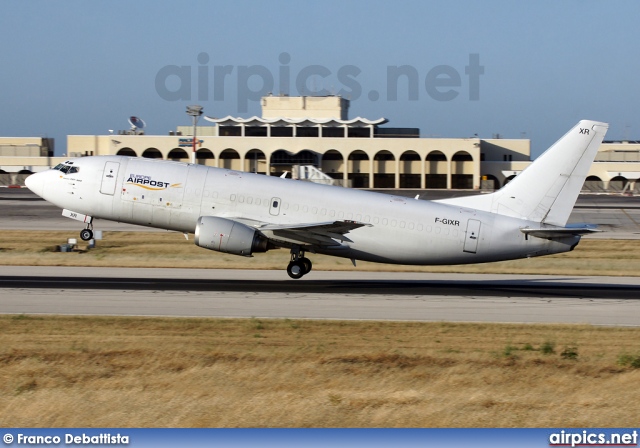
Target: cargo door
pixel 472 236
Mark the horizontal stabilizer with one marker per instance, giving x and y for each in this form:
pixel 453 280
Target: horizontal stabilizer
pixel 559 232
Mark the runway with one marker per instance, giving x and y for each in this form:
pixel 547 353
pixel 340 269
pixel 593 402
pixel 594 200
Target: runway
pixel 321 295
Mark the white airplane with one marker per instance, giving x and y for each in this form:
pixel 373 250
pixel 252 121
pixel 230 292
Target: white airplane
pixel 243 213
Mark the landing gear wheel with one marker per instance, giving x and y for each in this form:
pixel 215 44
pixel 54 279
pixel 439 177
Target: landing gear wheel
pixel 296 269
pixel 86 235
pixel 307 264
pixel 299 265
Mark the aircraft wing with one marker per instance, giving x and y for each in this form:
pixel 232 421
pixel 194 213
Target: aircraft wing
pixel 559 232
pixel 330 233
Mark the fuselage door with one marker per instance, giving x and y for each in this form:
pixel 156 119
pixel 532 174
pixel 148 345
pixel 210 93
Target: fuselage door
pixel 472 236
pixel 109 178
pixel 274 207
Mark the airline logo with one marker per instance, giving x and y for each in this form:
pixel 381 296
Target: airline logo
pixel 148 183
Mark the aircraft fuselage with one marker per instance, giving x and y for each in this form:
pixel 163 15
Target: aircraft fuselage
pixel 173 196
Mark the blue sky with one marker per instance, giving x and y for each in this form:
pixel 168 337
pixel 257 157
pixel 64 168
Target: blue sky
pixel 80 67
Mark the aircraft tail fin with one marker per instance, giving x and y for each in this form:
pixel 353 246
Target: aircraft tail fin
pixel 547 190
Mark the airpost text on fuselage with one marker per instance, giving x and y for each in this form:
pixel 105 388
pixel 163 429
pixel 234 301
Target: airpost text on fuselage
pixel 146 180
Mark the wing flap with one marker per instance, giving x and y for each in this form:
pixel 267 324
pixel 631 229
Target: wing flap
pixel 330 233
pixel 327 234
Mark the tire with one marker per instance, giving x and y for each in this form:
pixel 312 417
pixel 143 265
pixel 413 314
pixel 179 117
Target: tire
pixel 86 235
pixel 307 265
pixel 296 270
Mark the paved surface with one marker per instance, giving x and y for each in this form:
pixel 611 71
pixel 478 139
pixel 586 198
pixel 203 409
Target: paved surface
pixel 321 295
pixel 618 216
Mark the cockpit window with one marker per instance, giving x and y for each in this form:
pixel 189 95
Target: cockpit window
pixel 65 168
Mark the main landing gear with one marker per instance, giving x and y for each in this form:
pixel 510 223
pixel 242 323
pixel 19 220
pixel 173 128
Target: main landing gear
pixel 87 234
pixel 299 264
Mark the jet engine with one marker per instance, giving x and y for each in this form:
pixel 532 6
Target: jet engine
pixel 228 236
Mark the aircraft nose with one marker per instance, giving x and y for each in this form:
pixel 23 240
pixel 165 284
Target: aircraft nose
pixel 35 183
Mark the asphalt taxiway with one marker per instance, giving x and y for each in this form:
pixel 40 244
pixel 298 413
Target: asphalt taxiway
pixel 321 295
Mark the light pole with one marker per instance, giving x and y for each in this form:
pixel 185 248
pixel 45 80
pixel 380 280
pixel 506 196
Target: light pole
pixel 194 111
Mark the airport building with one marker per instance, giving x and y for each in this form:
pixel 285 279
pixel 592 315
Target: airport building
pixel 313 138
pixel 317 134
pixel 22 156
pixel 616 168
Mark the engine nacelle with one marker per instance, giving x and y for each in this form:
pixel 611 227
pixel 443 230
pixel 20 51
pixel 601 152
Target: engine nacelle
pixel 228 236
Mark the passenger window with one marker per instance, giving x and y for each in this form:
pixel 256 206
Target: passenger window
pixel 420 227
pixel 394 223
pixel 411 225
pixel 332 213
pixel 296 207
pixel 376 220
pixel 385 221
pixel 323 211
pixel 340 215
pixel 249 200
pixel 233 198
pixel 402 224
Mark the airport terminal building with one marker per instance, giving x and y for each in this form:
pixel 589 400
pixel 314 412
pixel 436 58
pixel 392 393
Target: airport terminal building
pixel 314 138
pixel 317 132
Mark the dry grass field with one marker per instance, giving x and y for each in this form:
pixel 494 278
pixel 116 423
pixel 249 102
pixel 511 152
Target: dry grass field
pixel 170 249
pixel 143 372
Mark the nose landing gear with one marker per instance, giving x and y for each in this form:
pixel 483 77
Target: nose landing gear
pixel 87 234
pixel 299 264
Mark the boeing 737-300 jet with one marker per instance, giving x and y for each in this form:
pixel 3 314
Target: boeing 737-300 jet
pixel 244 213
